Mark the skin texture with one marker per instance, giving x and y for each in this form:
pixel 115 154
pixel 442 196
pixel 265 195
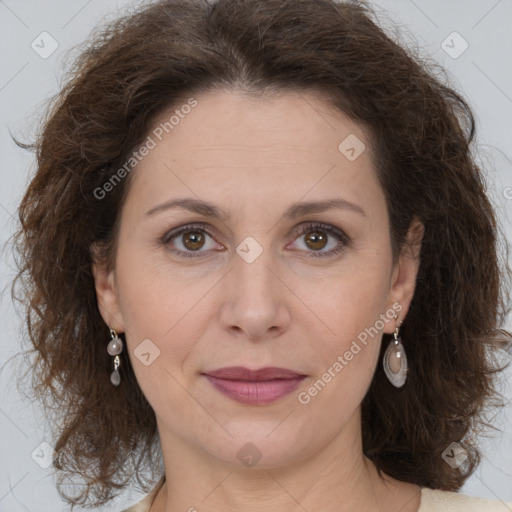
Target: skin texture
pixel 254 158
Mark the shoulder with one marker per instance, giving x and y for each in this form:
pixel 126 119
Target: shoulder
pixel 446 501
pixel 431 501
pixel 145 504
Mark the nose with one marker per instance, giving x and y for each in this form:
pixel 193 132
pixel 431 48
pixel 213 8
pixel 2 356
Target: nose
pixel 255 300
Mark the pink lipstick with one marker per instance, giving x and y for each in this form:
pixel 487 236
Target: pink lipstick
pixel 254 387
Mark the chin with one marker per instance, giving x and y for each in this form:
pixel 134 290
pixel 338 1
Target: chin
pixel 261 450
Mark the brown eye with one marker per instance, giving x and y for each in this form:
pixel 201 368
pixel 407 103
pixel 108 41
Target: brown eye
pixel 316 237
pixel 190 241
pixel 193 240
pixel 316 240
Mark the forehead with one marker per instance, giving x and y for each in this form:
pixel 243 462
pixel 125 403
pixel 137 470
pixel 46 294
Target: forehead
pixel 290 143
pixel 293 120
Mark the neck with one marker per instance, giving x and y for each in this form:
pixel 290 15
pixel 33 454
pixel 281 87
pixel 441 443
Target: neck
pixel 339 478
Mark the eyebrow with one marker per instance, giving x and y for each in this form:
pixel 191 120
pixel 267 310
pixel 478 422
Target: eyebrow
pixel 295 210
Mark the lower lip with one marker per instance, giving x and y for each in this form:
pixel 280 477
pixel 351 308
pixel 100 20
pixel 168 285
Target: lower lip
pixel 255 392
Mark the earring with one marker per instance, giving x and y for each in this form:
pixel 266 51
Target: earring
pixel 114 348
pixel 395 362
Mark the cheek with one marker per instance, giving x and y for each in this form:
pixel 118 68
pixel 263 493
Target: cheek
pixel 154 296
pixel 352 299
pixel 354 310
pixel 158 312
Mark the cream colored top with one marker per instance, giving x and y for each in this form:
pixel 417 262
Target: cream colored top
pixel 431 501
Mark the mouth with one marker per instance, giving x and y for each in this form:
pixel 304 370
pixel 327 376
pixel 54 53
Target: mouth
pixel 254 387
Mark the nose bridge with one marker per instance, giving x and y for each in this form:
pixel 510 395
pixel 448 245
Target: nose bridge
pixel 254 299
pixel 254 278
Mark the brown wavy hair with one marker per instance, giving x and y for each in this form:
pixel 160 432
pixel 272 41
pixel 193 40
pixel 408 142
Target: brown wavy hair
pixel 421 131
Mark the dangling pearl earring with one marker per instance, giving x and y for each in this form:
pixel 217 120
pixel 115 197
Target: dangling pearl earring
pixel 114 348
pixel 395 362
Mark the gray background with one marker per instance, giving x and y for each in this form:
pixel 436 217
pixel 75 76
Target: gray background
pixel 482 73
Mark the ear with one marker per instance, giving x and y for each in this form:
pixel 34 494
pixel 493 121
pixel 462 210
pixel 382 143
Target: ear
pixel 106 292
pixel 406 270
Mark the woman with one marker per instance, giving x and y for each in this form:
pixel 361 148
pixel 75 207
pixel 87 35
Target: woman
pixel 257 243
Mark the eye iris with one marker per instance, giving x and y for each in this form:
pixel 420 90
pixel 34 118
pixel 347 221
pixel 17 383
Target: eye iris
pixel 195 238
pixel 315 237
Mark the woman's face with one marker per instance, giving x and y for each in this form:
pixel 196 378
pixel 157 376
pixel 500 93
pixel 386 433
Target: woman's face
pixel 265 275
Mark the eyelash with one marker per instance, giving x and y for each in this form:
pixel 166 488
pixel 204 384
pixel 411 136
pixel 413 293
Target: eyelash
pixel 308 228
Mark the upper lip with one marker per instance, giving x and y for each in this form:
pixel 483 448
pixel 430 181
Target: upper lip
pixel 241 373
